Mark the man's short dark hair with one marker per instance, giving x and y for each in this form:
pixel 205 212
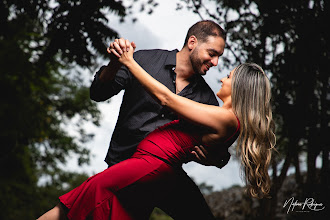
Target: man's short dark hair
pixel 204 29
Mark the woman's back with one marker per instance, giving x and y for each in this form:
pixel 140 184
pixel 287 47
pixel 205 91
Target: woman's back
pixel 174 142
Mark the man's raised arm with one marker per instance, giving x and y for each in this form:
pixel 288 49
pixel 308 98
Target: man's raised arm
pixel 110 79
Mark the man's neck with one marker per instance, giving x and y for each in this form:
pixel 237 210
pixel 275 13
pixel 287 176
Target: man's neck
pixel 183 67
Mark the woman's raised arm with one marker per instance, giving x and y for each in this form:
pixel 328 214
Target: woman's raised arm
pixel 209 116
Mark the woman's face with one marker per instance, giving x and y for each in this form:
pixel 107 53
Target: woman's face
pixel 225 89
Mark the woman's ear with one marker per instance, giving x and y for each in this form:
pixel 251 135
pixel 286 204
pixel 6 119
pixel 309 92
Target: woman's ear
pixel 192 42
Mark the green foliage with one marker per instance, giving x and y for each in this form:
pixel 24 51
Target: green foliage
pixel 42 94
pixel 205 189
pixel 158 214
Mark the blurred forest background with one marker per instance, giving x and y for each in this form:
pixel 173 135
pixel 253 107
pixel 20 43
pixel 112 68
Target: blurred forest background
pixel 43 41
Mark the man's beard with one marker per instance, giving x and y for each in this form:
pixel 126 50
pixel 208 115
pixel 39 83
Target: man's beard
pixel 196 63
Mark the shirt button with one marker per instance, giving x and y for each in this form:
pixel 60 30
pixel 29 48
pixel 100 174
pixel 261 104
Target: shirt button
pixel 163 116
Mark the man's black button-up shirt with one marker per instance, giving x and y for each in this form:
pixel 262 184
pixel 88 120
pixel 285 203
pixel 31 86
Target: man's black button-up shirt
pixel 139 112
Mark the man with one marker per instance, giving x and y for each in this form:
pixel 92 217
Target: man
pixel 140 114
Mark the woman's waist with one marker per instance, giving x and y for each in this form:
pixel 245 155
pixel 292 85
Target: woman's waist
pixel 167 152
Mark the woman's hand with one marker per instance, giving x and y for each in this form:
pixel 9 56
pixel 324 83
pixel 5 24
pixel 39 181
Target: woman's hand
pixel 123 50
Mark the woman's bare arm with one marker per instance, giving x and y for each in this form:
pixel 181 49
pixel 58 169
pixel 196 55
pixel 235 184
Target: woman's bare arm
pixel 215 118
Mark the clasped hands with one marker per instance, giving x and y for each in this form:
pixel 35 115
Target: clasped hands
pixel 122 49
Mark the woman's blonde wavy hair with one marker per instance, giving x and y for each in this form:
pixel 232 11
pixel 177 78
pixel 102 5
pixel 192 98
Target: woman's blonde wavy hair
pixel 251 95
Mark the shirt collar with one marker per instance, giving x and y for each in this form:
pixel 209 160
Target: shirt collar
pixel 171 59
pixel 170 62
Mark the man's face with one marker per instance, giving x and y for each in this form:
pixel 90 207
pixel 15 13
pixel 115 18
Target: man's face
pixel 206 54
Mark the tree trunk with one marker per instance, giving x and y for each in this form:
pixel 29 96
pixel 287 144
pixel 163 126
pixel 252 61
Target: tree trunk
pixel 325 176
pixel 311 170
pixel 296 163
pixel 286 165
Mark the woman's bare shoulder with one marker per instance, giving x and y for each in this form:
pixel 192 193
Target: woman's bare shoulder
pixel 227 119
pixel 227 125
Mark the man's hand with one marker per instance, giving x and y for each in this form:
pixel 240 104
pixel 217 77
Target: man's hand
pixel 122 50
pixel 210 157
pixel 119 46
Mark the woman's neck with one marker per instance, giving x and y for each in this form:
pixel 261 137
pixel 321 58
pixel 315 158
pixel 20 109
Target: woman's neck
pixel 227 104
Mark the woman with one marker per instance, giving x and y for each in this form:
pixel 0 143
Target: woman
pixel 127 189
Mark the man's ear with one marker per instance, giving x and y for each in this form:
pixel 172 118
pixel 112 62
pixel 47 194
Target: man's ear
pixel 192 42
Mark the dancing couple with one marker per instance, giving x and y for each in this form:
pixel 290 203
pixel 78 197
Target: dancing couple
pixel 173 116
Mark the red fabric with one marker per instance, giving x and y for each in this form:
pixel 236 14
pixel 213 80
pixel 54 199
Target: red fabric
pixel 129 189
pixel 97 196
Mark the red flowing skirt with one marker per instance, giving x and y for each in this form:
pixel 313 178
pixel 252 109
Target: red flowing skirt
pixel 127 190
